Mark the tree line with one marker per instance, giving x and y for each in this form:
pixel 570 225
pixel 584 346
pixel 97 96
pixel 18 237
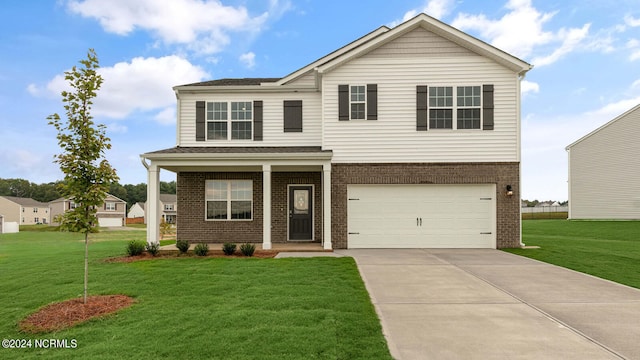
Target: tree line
pixel 51 191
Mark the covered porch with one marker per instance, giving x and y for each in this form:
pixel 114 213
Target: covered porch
pixel 276 176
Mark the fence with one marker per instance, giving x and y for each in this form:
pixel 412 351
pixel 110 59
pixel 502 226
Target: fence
pixel 545 212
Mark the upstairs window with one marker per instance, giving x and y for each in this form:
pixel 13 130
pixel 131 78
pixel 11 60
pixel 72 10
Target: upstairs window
pixel 110 206
pixel 440 107
pixel 168 207
pixel 229 120
pixel 448 111
pixel 468 107
pixel 358 101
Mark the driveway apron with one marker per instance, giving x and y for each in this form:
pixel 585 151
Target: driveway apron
pixel 488 304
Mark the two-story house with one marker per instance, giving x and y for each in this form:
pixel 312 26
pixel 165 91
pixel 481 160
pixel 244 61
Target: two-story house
pixel 112 213
pixel 405 138
pixel 24 211
pixel 168 209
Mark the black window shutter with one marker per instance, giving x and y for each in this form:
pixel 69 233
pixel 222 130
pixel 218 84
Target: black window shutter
pixel 343 102
pixel 372 102
pixel 422 108
pixel 200 121
pixel 487 107
pixel 257 120
pixel 293 116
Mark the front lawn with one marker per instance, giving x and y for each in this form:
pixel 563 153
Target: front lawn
pixel 189 308
pixel 606 249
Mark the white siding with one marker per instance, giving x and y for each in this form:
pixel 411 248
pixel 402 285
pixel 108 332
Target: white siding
pixel 306 80
pixel 393 137
pixel 419 43
pixel 273 123
pixel 604 172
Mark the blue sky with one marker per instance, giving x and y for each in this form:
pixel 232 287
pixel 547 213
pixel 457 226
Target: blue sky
pixel 586 55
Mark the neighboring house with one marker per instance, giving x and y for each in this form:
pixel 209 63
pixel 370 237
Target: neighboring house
pixel 604 171
pixel 24 211
pixel 168 206
pixel 136 211
pixel 405 138
pixel 111 214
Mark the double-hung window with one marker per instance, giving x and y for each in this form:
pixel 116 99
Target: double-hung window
pixel 229 199
pixel 461 111
pixel 229 120
pixel 358 97
pixel 110 206
pixel 168 207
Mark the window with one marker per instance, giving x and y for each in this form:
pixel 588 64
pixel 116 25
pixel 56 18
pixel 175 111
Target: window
pixel 463 110
pixel 35 210
pixel 229 121
pixel 110 206
pixel 72 205
pixel 468 107
pixel 358 102
pixel 168 207
pixel 229 199
pixel 36 220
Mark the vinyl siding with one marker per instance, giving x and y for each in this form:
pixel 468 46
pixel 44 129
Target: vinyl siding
pixel 419 43
pixel 393 137
pixel 604 169
pixel 10 210
pixel 273 119
pixel 306 80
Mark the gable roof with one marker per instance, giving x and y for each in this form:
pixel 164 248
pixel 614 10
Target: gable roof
pixel 168 198
pixel 26 201
pixel 65 199
pixel 630 111
pixel 371 41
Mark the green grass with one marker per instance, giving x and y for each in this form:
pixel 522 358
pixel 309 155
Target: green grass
pixel 606 249
pixel 545 215
pixel 189 308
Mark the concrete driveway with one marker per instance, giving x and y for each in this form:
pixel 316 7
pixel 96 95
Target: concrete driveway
pixel 488 304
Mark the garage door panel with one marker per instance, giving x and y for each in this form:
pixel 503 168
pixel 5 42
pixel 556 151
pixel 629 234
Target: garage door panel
pixel 109 222
pixel 421 216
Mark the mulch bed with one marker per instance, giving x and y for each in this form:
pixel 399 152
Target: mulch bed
pixel 261 254
pixel 68 313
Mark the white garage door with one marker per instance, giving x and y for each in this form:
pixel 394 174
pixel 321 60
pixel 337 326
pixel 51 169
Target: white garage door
pixel 421 216
pixel 109 222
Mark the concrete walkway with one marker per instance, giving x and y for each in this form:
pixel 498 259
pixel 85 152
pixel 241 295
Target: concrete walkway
pixel 488 304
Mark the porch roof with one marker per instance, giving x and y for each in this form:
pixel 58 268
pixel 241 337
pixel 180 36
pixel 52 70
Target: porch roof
pixel 238 158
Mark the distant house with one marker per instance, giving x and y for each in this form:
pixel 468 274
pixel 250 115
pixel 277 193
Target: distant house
pixel 168 205
pixel 110 214
pixel 604 171
pixel 24 211
pixel 136 211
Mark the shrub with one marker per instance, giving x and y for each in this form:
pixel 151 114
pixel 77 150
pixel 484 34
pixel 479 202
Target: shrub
pixel 247 249
pixel 182 245
pixel 135 247
pixel 228 248
pixel 201 249
pixel 153 249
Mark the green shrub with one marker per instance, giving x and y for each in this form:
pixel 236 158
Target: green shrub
pixel 228 248
pixel 247 249
pixel 201 249
pixel 182 245
pixel 135 247
pixel 153 249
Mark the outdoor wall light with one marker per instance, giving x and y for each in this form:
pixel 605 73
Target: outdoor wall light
pixel 509 190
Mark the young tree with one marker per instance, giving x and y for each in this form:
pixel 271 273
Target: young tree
pixel 87 174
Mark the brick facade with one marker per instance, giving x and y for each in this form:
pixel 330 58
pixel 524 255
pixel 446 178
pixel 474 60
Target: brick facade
pixel 192 226
pixel 501 174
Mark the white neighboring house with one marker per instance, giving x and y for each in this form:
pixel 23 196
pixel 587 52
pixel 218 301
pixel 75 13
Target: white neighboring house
pixel 112 213
pixel 408 137
pixel 168 204
pixel 24 211
pixel 136 211
pixel 604 171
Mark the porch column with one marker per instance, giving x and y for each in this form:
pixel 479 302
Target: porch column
pixel 326 205
pixel 152 206
pixel 266 207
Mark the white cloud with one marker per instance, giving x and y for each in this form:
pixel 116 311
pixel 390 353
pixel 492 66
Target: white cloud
pixel 529 87
pixel 144 84
pixel 117 128
pixel 202 25
pixel 521 32
pixel 166 116
pixel 248 59
pixel 434 8
pixel 631 21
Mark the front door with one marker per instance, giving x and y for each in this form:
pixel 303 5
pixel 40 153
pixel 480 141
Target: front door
pixel 300 213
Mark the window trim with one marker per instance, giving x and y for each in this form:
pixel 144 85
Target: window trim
pixel 168 207
pixel 108 204
pixel 228 120
pixel 363 102
pixel 455 107
pixel 229 200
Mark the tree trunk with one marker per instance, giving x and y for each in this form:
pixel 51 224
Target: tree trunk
pixel 86 264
